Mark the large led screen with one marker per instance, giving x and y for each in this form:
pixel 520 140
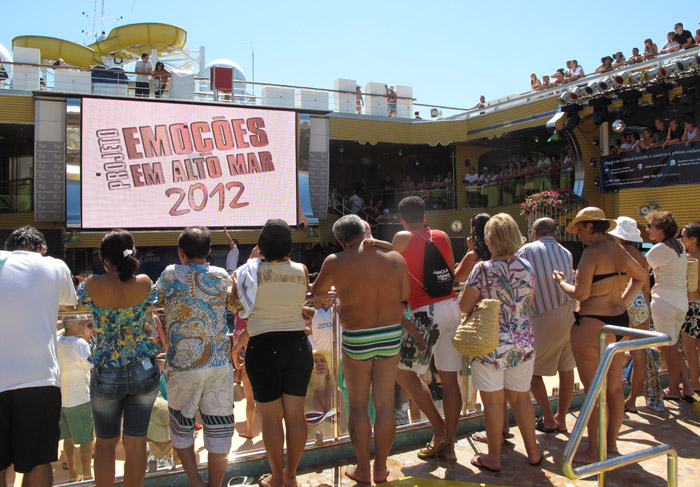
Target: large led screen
pixel 168 165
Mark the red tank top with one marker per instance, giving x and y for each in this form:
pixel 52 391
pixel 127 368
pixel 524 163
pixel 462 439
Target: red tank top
pixel 413 254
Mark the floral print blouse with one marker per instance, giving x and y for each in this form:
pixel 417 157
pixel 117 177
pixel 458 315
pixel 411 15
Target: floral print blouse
pixel 121 334
pixel 512 282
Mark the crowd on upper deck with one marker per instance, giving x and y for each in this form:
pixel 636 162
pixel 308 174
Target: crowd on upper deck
pixel 677 39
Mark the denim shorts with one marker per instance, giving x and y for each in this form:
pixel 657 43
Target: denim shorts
pixel 129 390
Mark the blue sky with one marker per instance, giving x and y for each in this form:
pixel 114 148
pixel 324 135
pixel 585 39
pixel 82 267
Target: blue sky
pixel 450 52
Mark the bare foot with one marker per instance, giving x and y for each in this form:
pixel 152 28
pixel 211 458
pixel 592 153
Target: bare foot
pixel 353 473
pixel 290 479
pixel 265 481
pixel 586 456
pixel 380 473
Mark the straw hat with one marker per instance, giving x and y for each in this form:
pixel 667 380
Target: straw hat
pixel 589 214
pixel 626 229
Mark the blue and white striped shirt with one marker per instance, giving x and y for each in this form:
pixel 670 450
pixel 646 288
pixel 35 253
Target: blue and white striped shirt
pixel 545 255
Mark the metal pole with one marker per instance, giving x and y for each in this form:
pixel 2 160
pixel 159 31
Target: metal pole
pixel 602 430
pixel 252 58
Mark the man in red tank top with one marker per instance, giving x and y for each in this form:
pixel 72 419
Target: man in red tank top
pixel 436 319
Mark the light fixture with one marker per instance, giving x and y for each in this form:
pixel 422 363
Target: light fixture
pixel 596 181
pixel 341 149
pixel 73 237
pixel 595 141
pixel 630 102
pixel 593 162
pixel 600 109
pixel 537 139
pixel 555 137
pixel 400 151
pixel 690 88
pixel 656 73
pixel 572 116
pixel 311 233
pixel 605 83
pixel 659 94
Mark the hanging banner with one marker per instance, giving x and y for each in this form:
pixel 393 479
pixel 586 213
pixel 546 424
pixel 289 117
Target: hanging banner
pixel 678 164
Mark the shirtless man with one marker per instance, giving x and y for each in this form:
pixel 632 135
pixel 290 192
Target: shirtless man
pixel 371 283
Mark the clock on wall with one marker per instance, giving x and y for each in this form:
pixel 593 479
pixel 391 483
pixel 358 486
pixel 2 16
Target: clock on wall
pixel 456 226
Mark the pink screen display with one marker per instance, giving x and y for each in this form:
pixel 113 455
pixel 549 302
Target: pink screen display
pixel 167 165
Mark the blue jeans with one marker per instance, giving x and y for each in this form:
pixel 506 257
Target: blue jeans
pixel 129 390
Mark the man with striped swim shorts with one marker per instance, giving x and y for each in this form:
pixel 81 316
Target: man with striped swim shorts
pixel 371 283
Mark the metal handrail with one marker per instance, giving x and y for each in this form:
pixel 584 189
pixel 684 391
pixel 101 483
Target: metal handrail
pixel 644 339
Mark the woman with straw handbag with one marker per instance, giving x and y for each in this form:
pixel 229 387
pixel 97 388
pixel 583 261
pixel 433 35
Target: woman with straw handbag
pixel 506 372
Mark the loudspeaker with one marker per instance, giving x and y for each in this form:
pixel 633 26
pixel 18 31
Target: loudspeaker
pixel 387 231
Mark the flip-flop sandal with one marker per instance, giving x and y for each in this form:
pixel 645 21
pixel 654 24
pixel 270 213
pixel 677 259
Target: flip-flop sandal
pixel 538 462
pixel 476 461
pixel 384 480
pixel 632 411
pixel 481 437
pixel 539 426
pixel 266 477
pixel 687 398
pixel 431 450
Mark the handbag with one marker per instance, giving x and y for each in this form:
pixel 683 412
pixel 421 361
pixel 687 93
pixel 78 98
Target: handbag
pixel 478 333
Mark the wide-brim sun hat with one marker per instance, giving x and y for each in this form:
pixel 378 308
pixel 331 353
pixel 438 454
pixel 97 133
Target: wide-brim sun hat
pixel 589 214
pixel 627 229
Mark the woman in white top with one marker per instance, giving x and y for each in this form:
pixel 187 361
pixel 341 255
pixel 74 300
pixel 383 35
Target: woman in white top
pixel 279 357
pixel 669 297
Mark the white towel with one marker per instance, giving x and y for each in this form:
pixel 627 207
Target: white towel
pixel 247 283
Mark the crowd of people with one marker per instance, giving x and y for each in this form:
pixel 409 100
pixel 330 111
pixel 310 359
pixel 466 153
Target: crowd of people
pixel 679 130
pixel 519 178
pixel 677 39
pixel 395 322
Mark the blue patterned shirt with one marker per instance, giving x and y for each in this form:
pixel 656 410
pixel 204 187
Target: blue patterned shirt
pixel 121 334
pixel 194 296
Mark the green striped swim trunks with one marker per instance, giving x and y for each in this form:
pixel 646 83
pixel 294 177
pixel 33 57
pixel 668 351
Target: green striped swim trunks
pixel 372 343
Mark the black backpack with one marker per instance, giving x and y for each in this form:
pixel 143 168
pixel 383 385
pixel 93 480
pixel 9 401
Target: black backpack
pixel 437 276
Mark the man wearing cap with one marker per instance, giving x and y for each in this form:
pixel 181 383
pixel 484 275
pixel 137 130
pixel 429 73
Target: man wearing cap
pixel 551 316
pixel 371 283
pixel 199 355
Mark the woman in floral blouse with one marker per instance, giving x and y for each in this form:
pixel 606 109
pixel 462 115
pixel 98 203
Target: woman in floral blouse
pixel 506 372
pixel 125 377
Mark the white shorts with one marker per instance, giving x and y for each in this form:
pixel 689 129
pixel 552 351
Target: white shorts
pixel 667 318
pixel 517 379
pixel 209 389
pixel 437 324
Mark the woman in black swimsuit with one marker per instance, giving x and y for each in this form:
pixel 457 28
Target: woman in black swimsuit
pixel 604 267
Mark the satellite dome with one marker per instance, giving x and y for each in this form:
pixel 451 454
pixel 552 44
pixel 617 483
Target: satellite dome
pixel 238 72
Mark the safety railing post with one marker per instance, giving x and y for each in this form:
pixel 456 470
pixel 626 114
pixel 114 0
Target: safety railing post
pixel 596 393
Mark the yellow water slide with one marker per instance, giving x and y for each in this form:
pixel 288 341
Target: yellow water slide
pixel 139 38
pixel 127 41
pixel 52 49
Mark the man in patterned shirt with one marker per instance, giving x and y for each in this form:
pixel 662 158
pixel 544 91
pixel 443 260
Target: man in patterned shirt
pixel 199 355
